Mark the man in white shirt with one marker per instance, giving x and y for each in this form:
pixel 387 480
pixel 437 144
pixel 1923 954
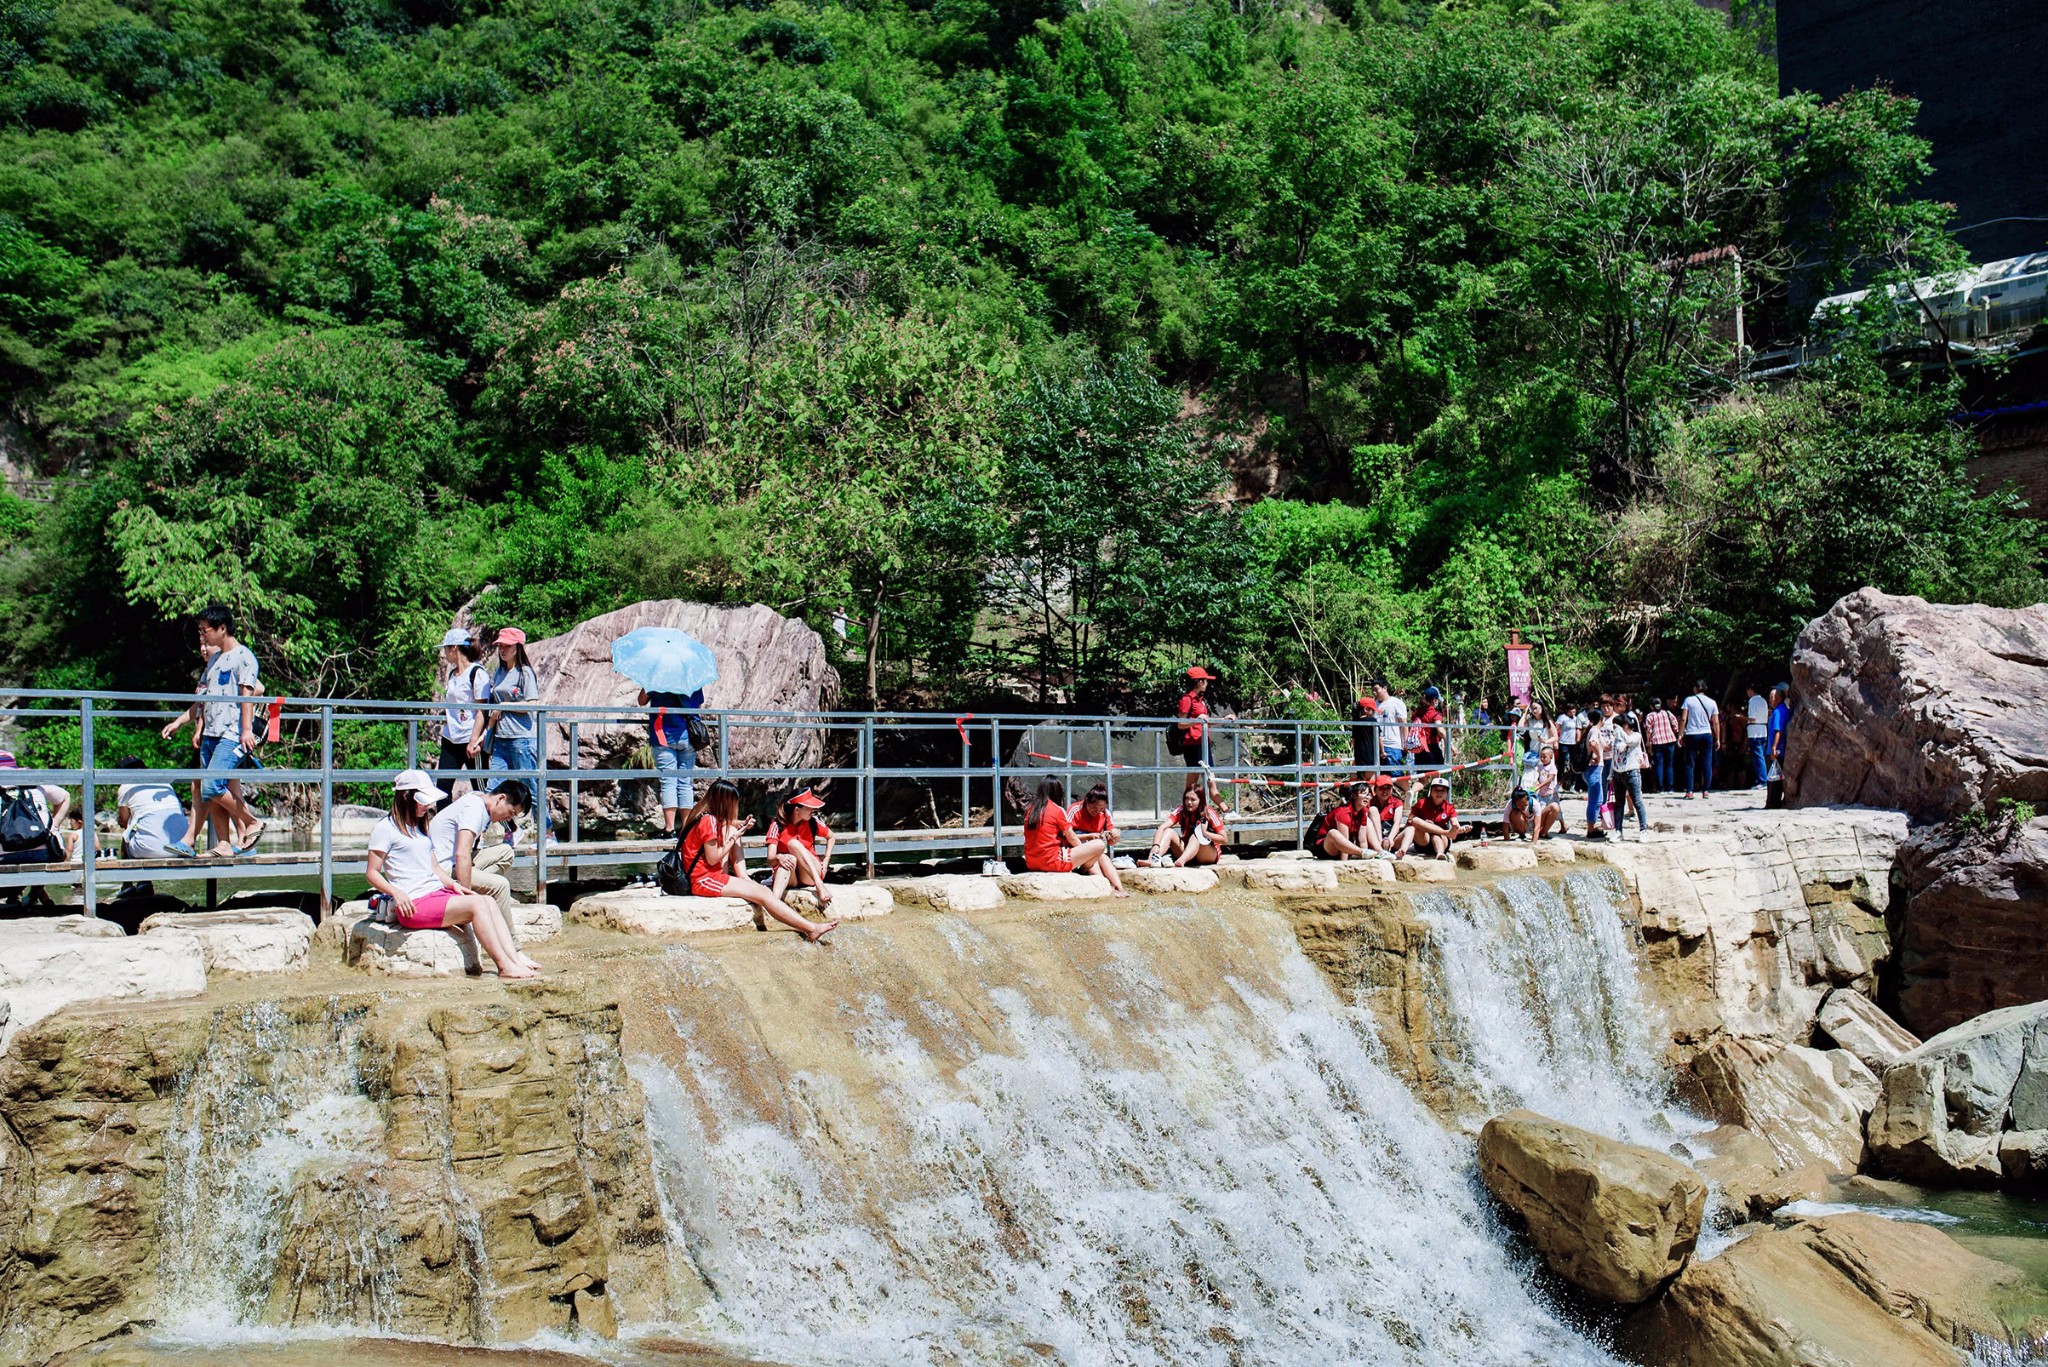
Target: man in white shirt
pixel 1390 713
pixel 1702 726
pixel 1759 710
pixel 457 831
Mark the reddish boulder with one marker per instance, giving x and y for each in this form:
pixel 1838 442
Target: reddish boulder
pixel 1929 709
pixel 1967 930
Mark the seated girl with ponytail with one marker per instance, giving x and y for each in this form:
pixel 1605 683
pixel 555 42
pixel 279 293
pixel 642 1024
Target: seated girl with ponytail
pixel 710 848
pixel 1050 845
pixel 793 851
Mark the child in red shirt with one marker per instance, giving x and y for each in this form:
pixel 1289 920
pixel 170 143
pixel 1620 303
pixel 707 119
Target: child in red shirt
pixel 793 851
pixel 1432 823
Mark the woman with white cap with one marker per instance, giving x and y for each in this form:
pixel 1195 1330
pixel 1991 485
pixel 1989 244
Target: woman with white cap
pixel 404 868
pixel 464 683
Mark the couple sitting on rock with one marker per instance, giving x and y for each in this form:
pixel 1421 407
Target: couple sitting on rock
pixel 407 865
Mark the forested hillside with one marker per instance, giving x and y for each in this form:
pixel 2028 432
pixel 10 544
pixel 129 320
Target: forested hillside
pixel 1057 342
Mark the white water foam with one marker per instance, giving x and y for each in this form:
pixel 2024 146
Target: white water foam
pixel 1542 1006
pixel 1271 1194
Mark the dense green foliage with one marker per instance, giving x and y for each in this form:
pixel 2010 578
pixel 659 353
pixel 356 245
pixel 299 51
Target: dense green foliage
pixel 964 318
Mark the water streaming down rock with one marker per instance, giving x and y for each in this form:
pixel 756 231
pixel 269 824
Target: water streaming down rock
pixel 953 1141
pixel 1540 1005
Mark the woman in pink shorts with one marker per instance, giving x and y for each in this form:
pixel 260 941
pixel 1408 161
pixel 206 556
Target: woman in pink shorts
pixel 403 868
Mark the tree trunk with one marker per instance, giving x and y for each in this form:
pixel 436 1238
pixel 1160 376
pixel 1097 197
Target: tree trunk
pixel 874 646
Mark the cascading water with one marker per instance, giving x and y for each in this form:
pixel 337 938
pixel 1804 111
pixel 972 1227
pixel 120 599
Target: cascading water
pixel 1072 1137
pixel 1541 1006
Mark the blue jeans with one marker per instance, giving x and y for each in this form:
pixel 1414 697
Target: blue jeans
pixel 1699 764
pixel 510 752
pixel 1664 758
pixel 1628 787
pixel 1394 760
pixel 673 762
pixel 223 753
pixel 1758 763
pixel 1596 795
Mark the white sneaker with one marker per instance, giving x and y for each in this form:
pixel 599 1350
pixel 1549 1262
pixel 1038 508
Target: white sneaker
pixel 1123 861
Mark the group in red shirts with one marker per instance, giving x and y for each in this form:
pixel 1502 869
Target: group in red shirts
pixel 1368 820
pixel 712 833
pixel 1051 844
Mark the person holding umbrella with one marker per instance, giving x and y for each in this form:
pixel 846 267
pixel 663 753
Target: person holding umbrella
pixel 672 668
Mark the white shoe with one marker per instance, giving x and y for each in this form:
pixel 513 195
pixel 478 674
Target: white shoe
pixel 1123 861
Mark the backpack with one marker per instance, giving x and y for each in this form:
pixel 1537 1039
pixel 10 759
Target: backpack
pixel 1175 745
pixel 672 874
pixel 1320 828
pixel 23 824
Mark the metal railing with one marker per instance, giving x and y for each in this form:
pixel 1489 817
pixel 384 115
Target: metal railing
pixel 1269 773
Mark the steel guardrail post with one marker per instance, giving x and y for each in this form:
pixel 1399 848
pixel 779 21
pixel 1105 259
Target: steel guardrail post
pixel 412 743
pixel 868 782
pixel 88 835
pixel 966 780
pixel 995 772
pixel 540 820
pixel 326 811
pixel 1109 770
pixel 1301 785
pixel 575 791
pixel 1158 779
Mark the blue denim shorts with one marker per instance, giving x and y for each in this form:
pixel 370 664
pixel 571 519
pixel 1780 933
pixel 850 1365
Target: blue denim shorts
pixel 218 752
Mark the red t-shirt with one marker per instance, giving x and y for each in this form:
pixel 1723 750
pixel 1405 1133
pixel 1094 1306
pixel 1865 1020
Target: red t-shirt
pixel 1193 707
pixel 805 833
pixel 1428 735
pixel 1437 813
pixel 1086 823
pixel 1346 818
pixel 1388 807
pixel 1044 852
pixel 706 878
pixel 1187 822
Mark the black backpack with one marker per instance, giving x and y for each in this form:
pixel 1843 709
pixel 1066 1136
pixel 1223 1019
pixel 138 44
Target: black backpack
pixel 23 824
pixel 1318 829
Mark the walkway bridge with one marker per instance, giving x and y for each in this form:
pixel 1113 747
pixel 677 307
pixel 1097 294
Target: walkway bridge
pixel 1272 773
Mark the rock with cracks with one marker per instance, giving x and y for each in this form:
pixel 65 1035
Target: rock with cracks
pixel 251 941
pixel 1930 709
pixel 1846 1289
pixel 1858 1024
pixel 950 893
pixel 1615 1220
pixel 48 963
pixel 1054 887
pixel 1808 1104
pixel 1969 931
pixel 1947 1105
pixel 1181 880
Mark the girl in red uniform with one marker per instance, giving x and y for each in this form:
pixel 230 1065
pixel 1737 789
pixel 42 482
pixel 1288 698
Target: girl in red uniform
pixel 711 857
pixel 1050 845
pixel 1192 835
pixel 793 846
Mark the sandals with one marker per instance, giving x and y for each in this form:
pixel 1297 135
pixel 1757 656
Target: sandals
pixel 249 846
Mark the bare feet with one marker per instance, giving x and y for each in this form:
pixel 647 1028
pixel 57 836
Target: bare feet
pixel 817 933
pixel 515 973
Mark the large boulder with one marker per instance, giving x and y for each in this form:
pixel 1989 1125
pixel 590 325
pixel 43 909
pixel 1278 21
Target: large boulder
pixel 1808 1104
pixel 1947 1105
pixel 250 940
pixel 1859 1025
pixel 1054 887
pixel 1749 1175
pixel 1968 927
pixel 766 663
pixel 1927 708
pixel 1838 1290
pixel 48 963
pixel 1615 1220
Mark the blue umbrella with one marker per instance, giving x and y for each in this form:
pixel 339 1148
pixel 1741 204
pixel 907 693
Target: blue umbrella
pixel 664 660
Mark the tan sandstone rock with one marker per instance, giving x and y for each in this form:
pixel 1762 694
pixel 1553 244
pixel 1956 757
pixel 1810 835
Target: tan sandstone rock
pixel 533 922
pixel 1188 879
pixel 1425 871
pixel 1291 876
pixel 1497 858
pixel 1845 1289
pixel 379 947
pixel 648 911
pixel 1555 851
pixel 1615 1220
pixel 1858 1024
pixel 1749 1176
pixel 1946 1103
pixel 850 902
pixel 253 941
pixel 1053 887
pixel 1365 871
pixel 949 893
pixel 48 963
pixel 1930 709
pixel 1800 1100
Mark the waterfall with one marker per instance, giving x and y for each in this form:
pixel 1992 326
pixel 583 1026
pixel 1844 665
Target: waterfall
pixel 1541 1006
pixel 1073 1136
pixel 267 1218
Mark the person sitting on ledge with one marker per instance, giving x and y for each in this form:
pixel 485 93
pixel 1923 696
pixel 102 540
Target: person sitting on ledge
pixel 709 841
pixel 1384 823
pixel 1340 831
pixel 1091 817
pixel 1050 845
pixel 1432 823
pixel 1193 834
pixel 793 851
pixel 457 831
pixel 403 868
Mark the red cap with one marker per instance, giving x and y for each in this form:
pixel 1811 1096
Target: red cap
pixel 1197 672
pixel 807 798
pixel 1382 781
pixel 511 636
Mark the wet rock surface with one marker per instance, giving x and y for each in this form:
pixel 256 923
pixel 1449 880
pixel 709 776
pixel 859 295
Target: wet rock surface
pixel 463 1171
pixel 1929 709
pixel 1808 1104
pixel 1837 1290
pixel 1615 1220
